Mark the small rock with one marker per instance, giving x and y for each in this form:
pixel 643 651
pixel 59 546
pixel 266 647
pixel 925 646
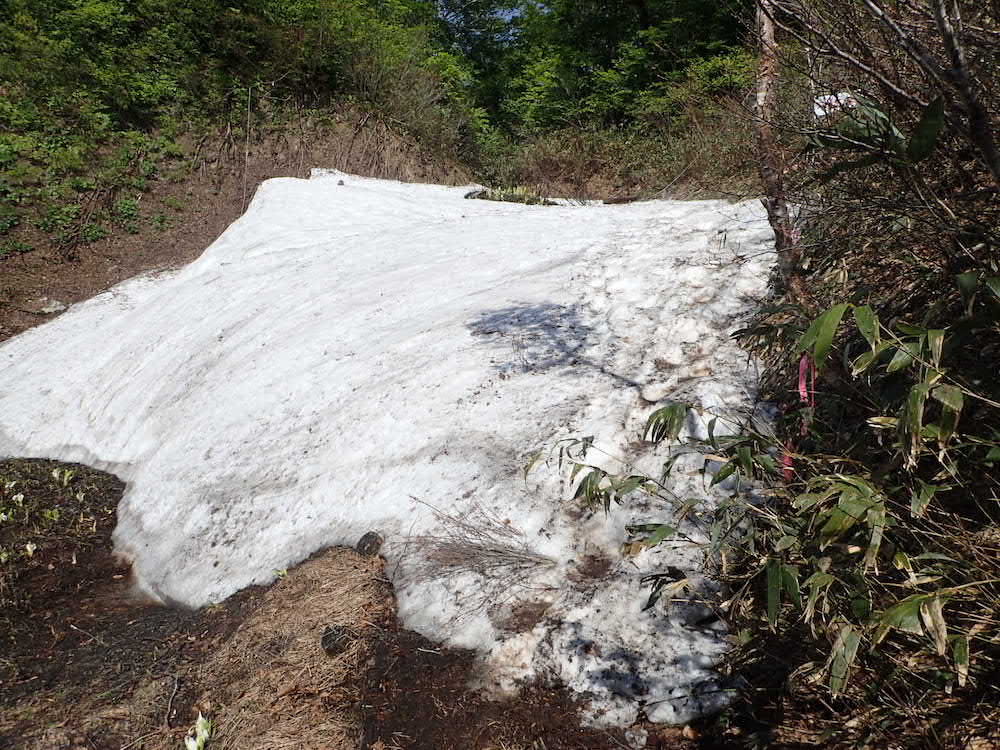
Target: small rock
pixel 340 182
pixel 336 639
pixel 369 545
pixel 49 306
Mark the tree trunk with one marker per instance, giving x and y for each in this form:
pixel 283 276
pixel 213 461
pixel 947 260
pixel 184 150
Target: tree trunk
pixel 771 157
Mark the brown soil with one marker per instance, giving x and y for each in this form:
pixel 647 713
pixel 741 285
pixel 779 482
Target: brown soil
pixel 194 199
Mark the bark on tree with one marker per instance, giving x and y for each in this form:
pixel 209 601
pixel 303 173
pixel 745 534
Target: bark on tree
pixel 771 156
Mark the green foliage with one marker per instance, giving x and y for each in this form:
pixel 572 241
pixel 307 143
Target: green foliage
pixel 95 92
pixel 611 65
pixel 880 528
pixel 866 128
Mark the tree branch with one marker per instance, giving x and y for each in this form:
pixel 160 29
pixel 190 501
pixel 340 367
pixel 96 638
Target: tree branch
pixel 980 131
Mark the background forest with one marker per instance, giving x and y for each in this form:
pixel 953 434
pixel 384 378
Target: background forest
pixel 101 95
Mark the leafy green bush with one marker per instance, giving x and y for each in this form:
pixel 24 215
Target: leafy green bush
pixel 97 92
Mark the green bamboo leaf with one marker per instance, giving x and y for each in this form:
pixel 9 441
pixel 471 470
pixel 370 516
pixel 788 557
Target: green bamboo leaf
pixel 913 423
pixel 766 462
pixel 921 498
pixel 807 500
pixel 993 284
pixel 867 323
pixel 817 584
pixel 862 363
pixel 808 339
pixel 660 534
pixel 785 542
pixel 932 613
pixel 960 653
pixel 925 135
pixel 950 396
pixel 727 470
pixel 858 483
pixel 904 357
pixel 589 488
pixel 935 341
pixel 826 331
pixel 668 466
pixel 845 649
pixel 876 522
pixel 904 615
pixel 745 458
pixel 665 423
pixel 910 330
pixel 790 583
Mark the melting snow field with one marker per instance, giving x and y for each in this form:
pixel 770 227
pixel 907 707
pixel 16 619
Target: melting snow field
pixel 352 354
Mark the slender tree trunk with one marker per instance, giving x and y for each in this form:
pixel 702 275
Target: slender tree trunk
pixel 771 156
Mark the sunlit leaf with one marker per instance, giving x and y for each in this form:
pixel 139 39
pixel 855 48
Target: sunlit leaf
pixel 817 584
pixel 829 321
pixel 904 356
pixel 862 363
pixel 845 649
pixel 932 613
pixel 904 615
pixel 950 396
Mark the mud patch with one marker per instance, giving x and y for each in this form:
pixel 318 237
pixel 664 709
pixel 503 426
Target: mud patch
pixel 418 696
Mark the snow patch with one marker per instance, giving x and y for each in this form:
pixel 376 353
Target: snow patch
pixel 352 354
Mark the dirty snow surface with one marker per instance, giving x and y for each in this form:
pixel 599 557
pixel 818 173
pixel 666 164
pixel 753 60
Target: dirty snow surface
pixel 357 354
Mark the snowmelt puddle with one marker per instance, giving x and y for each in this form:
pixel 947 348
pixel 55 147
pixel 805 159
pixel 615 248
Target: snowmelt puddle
pixel 357 354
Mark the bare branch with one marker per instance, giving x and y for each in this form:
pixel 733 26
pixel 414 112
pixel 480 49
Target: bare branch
pixel 831 48
pixel 980 131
